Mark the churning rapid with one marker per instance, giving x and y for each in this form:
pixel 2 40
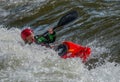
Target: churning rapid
pixel 98 26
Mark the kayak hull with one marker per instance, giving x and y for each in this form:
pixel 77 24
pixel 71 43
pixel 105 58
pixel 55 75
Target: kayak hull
pixel 72 50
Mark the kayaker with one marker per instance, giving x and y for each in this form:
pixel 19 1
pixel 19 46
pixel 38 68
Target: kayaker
pixel 28 37
pixel 66 49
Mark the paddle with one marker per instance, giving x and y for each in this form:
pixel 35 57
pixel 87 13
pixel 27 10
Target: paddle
pixel 67 18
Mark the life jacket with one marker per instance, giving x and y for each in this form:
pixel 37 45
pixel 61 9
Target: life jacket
pixel 49 38
pixel 72 50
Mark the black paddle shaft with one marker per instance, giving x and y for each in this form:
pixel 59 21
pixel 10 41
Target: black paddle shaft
pixel 67 18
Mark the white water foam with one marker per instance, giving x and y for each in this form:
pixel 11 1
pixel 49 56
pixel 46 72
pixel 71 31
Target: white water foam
pixel 97 49
pixel 33 63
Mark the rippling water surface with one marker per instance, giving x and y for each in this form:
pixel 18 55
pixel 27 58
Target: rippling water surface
pixel 98 26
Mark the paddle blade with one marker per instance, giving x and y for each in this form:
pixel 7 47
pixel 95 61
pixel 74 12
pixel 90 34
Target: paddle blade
pixel 69 17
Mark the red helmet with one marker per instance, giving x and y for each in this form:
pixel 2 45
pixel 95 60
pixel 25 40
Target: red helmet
pixel 25 33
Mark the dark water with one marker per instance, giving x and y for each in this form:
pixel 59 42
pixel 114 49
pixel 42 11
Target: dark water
pixel 98 24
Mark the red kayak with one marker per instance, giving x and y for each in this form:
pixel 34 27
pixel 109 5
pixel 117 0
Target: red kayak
pixel 71 50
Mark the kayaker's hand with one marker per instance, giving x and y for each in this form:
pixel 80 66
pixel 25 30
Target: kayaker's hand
pixel 50 31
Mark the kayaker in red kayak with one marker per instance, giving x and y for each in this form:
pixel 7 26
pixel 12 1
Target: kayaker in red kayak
pixel 65 50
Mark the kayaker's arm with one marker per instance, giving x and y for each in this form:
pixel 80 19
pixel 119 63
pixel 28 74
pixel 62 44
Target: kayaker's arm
pixel 49 38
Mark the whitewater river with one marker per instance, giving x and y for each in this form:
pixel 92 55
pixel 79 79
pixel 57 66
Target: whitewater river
pixel 98 26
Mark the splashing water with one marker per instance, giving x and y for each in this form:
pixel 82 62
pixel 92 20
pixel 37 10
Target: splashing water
pixel 34 63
